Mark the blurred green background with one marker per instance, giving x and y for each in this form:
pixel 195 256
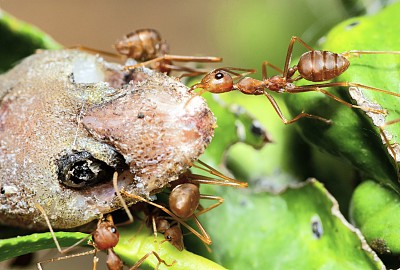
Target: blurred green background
pixel 243 33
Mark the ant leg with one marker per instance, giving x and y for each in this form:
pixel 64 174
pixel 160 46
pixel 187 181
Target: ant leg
pixel 146 63
pixel 205 237
pixel 95 260
pixel 389 145
pixel 198 59
pixel 178 58
pixel 290 51
pixel 202 179
pixel 200 226
pixel 39 264
pixel 317 88
pixel 312 87
pixel 386 139
pixel 349 104
pixel 219 200
pixel 359 85
pixel 264 69
pixel 122 201
pixel 190 72
pixel 226 181
pixel 357 53
pixel 299 116
pixel 62 251
pixel 160 261
pixel 91 50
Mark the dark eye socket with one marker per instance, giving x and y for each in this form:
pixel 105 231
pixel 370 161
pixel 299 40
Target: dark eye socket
pixel 81 169
pixel 219 76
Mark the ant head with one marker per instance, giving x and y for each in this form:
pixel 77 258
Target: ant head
pixel 184 200
pixel 175 237
pixel 162 225
pixel 216 81
pixel 106 235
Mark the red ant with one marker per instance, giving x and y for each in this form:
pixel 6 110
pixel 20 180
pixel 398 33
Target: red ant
pixel 105 237
pixel 171 230
pixel 314 65
pixel 147 47
pixel 184 199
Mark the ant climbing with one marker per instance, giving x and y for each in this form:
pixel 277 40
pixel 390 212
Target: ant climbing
pixel 147 47
pixel 104 238
pixel 314 65
pixel 184 200
pixel 161 224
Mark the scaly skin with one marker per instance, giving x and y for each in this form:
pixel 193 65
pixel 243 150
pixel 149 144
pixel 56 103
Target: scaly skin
pixel 150 130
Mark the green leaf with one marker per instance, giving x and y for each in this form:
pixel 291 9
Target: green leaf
pixel 375 210
pixel 300 228
pixel 352 136
pixel 21 245
pixel 19 39
pixel 135 242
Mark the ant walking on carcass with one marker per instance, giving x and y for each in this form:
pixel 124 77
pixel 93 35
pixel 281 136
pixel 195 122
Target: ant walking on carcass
pixel 314 65
pixel 147 47
pixel 184 202
pixel 104 238
pixel 157 220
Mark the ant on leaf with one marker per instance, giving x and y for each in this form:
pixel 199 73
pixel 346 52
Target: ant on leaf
pixel 314 65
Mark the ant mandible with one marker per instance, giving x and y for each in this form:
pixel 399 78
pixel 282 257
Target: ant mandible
pixel 314 66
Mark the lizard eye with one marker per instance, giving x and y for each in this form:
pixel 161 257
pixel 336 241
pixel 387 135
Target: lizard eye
pixel 81 169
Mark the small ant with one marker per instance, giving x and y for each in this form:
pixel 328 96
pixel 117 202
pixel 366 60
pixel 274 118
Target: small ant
pixel 104 238
pixel 184 199
pixel 147 47
pixel 171 230
pixel 314 66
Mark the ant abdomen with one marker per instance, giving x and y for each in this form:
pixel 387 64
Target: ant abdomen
pixel 142 45
pixel 319 66
pixel 184 200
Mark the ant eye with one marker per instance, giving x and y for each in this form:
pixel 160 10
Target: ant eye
pixel 219 76
pixel 113 229
pixel 81 169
